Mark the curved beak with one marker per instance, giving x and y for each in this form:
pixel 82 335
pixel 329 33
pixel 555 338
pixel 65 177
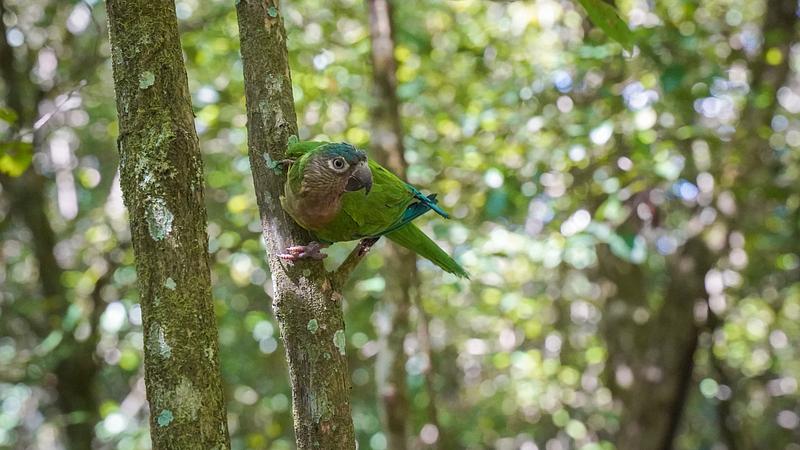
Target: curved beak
pixel 360 179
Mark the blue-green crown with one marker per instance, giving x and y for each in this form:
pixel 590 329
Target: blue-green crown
pixel 351 154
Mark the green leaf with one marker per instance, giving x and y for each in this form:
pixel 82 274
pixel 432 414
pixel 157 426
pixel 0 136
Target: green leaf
pixel 8 115
pixel 607 18
pixel 15 157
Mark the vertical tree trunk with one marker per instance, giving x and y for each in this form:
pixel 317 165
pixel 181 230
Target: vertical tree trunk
pixel 307 300
pixel 162 182
pixel 650 365
pixel 400 264
pixel 400 271
pixel 656 359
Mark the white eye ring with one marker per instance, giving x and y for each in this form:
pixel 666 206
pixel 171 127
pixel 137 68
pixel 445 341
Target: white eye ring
pixel 338 163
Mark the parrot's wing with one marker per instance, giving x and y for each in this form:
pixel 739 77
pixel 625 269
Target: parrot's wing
pixel 419 207
pixel 428 203
pixel 369 215
pixel 390 204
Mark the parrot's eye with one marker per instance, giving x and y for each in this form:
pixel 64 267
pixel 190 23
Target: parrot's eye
pixel 338 163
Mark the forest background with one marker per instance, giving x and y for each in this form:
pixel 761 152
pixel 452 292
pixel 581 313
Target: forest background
pixel 629 213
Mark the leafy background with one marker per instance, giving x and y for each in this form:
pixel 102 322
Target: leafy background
pixel 630 217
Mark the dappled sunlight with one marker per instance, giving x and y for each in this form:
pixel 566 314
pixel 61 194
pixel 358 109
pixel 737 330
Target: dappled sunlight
pixel 629 219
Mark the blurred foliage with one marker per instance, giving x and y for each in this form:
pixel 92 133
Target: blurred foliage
pixel 607 18
pixel 15 155
pixel 547 142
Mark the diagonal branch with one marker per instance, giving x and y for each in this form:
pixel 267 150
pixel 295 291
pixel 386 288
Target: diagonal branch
pixel 345 269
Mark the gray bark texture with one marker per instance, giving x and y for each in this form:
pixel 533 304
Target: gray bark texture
pixel 162 182
pixel 400 264
pixel 307 299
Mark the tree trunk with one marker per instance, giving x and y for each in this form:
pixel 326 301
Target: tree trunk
pixel 651 364
pixel 400 264
pixel 656 359
pixel 162 182
pixel 307 300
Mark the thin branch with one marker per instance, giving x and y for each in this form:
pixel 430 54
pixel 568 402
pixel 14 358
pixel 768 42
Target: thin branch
pixel 46 118
pixel 345 269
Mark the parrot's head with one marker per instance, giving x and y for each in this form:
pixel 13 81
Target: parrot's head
pixel 341 168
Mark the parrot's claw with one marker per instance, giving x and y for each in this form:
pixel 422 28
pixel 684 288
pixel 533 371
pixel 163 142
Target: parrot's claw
pixel 310 251
pixel 365 244
pixel 278 166
pixel 284 163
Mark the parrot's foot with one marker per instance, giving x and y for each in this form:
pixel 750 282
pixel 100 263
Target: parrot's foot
pixel 284 163
pixel 365 244
pixel 310 251
pixel 278 166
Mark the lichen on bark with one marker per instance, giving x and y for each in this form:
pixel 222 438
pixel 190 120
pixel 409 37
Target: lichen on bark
pixel 161 178
pixel 307 303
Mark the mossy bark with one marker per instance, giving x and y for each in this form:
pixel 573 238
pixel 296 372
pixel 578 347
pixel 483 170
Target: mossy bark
pixel 162 182
pixel 400 269
pixel 307 301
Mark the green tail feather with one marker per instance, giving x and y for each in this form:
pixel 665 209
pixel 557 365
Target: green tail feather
pixel 415 240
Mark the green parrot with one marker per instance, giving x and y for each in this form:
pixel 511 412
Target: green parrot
pixel 322 195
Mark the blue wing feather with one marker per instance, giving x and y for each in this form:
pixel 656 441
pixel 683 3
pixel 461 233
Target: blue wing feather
pixel 416 209
pixel 429 202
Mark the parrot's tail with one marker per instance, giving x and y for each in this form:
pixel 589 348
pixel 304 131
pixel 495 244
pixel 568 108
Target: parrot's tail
pixel 415 240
